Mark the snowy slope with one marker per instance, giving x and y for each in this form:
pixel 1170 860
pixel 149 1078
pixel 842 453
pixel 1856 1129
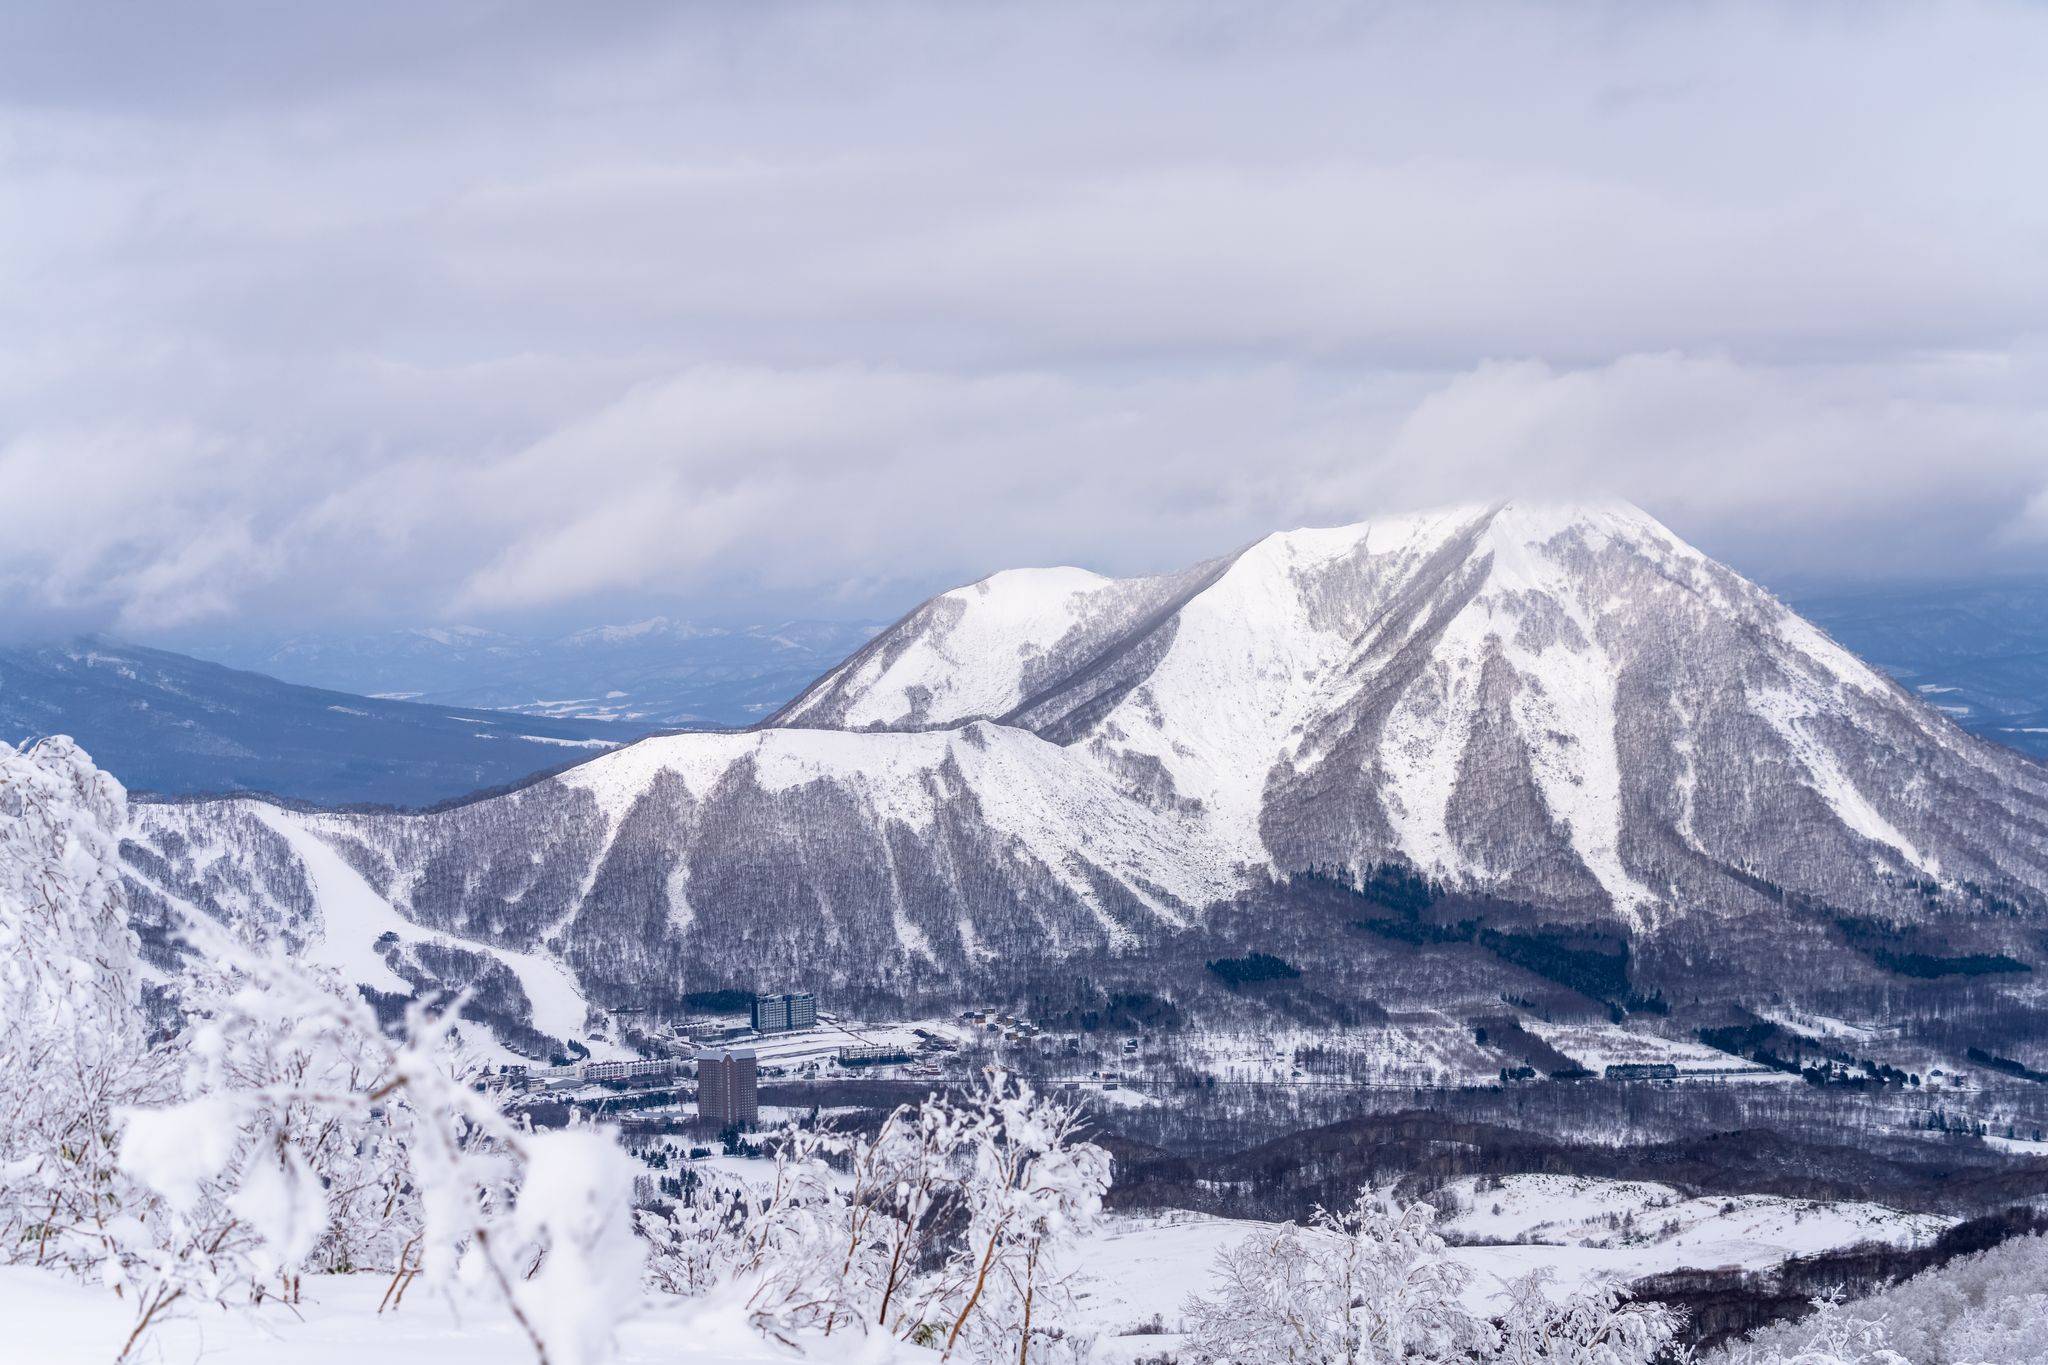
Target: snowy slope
pixel 354 918
pixel 1026 791
pixel 714 858
pixel 1668 1229
pixel 981 651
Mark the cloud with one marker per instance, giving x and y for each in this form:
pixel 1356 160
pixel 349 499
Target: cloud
pixel 814 482
pixel 812 477
pixel 493 310
pixel 1862 470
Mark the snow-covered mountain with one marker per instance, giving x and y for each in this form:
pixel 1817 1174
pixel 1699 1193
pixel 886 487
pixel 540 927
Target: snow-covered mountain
pixel 1569 704
pixel 1565 708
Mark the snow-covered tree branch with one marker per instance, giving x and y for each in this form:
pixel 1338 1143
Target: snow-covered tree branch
pixel 858 1246
pixel 1373 1285
pixel 280 1130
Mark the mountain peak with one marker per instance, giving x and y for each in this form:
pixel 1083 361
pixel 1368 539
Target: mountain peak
pixel 993 647
pixel 1489 686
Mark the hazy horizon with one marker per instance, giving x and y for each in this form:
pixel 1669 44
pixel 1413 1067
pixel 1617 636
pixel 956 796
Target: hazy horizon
pixel 236 634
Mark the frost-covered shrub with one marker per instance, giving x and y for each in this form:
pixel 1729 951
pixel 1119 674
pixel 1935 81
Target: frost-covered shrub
pixel 74 1059
pixel 72 1051
pixel 1030 1191
pixel 573 1224
pixel 282 1129
pixel 1369 1284
pixel 1987 1309
pixel 1374 1285
pixel 1594 1327
pixel 949 1228
pixel 333 1145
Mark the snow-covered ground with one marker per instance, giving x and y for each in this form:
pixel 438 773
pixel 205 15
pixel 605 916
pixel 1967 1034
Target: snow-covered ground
pixel 50 1320
pixel 1426 1050
pixel 1599 1046
pixel 1419 1048
pixel 1131 1271
pixel 2018 1146
pixel 1824 1026
pixel 1663 1229
pixel 1137 1268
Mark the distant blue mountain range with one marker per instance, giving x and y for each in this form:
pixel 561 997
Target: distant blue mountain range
pixel 172 724
pixel 1979 651
pixel 656 672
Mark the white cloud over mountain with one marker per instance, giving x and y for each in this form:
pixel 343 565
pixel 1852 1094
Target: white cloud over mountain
pixel 506 308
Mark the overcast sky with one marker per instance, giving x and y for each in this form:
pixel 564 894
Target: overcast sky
pixel 367 313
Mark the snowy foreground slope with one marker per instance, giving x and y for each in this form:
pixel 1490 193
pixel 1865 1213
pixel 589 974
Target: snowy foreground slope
pixel 1127 1273
pixel 1567 708
pixel 51 1321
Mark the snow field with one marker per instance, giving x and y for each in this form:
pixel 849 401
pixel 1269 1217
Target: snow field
pixel 1599 1046
pixel 1422 1052
pixel 54 1321
pixel 1657 1221
pixel 354 917
pixel 1136 1267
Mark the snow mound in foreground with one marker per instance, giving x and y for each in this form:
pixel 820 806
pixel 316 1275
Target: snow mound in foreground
pixel 56 1321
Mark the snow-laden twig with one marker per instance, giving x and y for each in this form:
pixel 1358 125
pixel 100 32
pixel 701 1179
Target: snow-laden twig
pixel 281 1129
pixel 1373 1284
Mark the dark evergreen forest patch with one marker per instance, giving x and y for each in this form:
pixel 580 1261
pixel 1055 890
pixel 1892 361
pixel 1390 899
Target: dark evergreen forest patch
pixel 1897 948
pixel 1236 972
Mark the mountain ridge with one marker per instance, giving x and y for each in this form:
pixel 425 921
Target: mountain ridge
pixel 654 673
pixel 1566 713
pixel 178 726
